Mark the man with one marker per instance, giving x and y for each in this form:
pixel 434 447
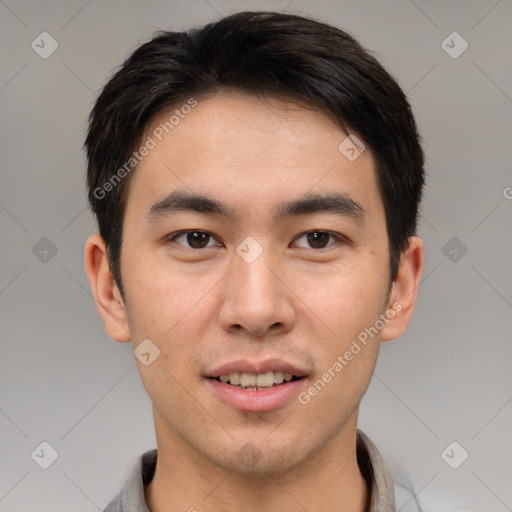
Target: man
pixel 256 183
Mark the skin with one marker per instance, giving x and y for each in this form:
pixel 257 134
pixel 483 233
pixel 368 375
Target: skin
pixel 204 307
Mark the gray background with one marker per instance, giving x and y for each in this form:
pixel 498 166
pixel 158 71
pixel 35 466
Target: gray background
pixel 449 378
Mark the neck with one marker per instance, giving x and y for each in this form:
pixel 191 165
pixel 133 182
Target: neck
pixel 330 479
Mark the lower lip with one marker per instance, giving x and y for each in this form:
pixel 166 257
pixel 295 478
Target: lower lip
pixel 253 400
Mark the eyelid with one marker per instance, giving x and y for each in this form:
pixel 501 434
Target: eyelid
pixel 341 238
pixel 172 236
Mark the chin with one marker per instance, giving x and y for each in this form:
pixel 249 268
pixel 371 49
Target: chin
pixel 257 460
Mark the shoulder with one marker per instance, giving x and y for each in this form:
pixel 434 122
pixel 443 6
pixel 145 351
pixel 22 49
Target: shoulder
pixel 131 497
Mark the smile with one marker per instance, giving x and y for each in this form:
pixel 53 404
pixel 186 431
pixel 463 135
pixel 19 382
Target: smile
pixel 266 380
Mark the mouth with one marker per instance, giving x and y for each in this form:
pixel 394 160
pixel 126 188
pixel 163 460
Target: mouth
pixel 261 381
pixel 256 386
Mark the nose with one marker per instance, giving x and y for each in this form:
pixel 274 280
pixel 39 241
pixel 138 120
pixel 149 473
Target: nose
pixel 257 299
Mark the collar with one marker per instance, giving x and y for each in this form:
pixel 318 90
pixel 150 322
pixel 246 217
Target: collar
pixel 373 468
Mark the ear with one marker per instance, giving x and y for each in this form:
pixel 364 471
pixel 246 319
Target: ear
pixel 106 293
pixel 404 291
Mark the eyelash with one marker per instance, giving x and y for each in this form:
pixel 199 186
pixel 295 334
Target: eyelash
pixel 338 236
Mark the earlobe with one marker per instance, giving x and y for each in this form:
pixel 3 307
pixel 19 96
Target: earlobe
pixel 404 292
pixel 108 299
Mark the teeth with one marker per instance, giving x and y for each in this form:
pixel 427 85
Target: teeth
pixel 234 378
pixel 278 377
pixel 250 380
pixel 265 380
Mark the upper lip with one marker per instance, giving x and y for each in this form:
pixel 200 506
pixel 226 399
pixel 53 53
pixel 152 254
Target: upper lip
pixel 256 367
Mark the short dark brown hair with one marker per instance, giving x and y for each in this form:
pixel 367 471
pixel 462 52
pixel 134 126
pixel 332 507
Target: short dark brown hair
pixel 266 54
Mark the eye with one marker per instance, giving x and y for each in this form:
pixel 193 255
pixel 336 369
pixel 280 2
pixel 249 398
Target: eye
pixel 319 239
pixel 195 239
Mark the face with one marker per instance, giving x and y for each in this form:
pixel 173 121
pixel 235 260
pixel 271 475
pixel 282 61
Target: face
pixel 250 288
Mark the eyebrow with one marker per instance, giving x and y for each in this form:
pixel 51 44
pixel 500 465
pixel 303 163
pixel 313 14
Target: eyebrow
pixel 335 203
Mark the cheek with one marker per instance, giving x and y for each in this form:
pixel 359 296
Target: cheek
pixel 166 304
pixel 347 308
pixel 156 297
pixel 348 298
pixel 348 305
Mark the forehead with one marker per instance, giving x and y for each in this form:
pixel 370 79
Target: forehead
pixel 236 118
pixel 249 150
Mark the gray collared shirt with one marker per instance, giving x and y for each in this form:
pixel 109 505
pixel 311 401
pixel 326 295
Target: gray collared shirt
pixel 373 468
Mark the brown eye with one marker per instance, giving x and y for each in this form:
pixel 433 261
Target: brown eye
pixel 317 239
pixel 194 239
